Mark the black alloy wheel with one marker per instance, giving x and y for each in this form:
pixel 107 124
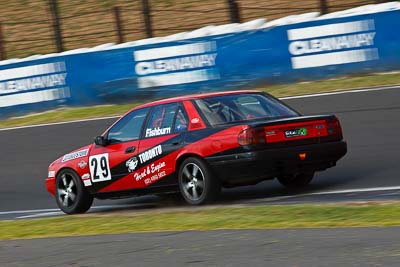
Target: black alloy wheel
pixel 71 196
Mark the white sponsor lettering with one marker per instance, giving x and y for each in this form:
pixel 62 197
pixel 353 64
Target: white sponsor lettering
pixel 309 51
pixel 333 43
pixel 75 155
pixel 155 177
pixel 166 65
pixel 51 174
pixel 42 77
pixel 176 64
pixel 32 83
pixel 157 167
pixel 150 154
pixel 155 170
pixel 157 131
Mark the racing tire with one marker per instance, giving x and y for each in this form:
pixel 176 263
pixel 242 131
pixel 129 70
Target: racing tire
pixel 71 196
pixel 296 180
pixel 197 183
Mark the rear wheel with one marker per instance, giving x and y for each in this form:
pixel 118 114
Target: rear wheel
pixel 296 180
pixel 196 182
pixel 71 196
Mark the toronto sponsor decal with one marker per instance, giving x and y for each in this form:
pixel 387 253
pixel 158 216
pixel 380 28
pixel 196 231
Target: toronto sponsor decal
pixel 177 64
pixel 157 131
pixel 132 164
pixel 333 44
pixel 75 155
pixel 150 154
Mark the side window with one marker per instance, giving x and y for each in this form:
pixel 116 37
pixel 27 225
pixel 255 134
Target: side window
pixel 161 120
pixel 129 127
pixel 181 121
pixel 250 107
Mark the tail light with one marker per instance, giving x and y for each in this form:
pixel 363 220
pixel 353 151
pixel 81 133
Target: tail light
pixel 334 129
pixel 252 136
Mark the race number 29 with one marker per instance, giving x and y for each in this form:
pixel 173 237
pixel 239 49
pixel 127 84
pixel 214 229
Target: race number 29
pixel 99 168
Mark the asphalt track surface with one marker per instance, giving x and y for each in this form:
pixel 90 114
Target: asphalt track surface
pixel 288 247
pixel 370 120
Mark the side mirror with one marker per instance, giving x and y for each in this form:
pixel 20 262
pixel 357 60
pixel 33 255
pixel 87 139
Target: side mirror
pixel 100 141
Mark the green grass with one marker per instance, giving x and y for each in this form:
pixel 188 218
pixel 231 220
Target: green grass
pixel 68 114
pixel 209 218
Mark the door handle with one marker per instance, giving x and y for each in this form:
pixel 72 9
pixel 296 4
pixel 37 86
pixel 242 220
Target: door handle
pixel 176 143
pixel 130 149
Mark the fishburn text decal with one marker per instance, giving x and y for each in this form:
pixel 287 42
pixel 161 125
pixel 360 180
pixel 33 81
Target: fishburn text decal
pixel 157 131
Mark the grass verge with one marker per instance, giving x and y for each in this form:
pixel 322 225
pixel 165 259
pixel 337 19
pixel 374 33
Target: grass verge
pixel 234 217
pixel 69 114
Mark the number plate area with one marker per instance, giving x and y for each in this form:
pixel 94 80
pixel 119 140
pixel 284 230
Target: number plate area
pixel 99 168
pixel 296 132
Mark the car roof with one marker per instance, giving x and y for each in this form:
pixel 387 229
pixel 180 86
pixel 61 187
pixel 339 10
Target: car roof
pixel 185 98
pixel 194 96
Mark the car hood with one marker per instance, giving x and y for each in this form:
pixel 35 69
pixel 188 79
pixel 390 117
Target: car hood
pixel 74 154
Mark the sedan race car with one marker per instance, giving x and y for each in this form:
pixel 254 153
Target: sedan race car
pixel 197 144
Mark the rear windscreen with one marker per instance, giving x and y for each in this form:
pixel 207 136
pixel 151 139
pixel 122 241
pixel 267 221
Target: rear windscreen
pixel 242 107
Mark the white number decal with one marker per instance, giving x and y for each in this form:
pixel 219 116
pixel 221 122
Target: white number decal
pixel 99 168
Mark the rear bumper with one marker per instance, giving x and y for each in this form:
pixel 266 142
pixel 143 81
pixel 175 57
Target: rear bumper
pixel 251 167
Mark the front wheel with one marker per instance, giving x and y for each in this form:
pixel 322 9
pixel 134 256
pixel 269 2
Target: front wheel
pixel 196 182
pixel 71 196
pixel 296 180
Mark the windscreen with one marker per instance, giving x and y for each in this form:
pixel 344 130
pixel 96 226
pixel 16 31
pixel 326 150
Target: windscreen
pixel 242 107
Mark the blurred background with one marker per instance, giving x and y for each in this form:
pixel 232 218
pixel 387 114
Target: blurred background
pixel 29 27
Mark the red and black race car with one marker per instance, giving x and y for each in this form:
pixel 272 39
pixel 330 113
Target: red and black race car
pixel 197 144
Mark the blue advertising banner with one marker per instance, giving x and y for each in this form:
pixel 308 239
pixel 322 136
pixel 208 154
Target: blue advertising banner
pixel 316 49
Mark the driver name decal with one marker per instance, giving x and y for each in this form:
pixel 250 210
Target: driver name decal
pixel 157 131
